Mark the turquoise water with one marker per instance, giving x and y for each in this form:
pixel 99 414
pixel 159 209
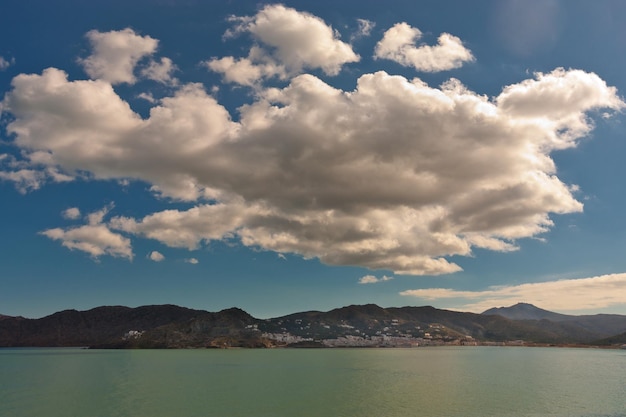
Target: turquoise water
pixel 464 382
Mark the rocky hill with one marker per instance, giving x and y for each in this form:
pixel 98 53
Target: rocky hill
pixel 169 326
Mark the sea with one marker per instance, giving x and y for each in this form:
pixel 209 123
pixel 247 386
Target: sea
pixel 438 381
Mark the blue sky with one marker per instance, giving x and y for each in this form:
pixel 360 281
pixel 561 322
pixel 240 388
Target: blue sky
pixel 282 157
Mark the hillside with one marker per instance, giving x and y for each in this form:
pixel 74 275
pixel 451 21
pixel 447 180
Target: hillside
pixel 169 326
pixel 602 325
pixel 525 311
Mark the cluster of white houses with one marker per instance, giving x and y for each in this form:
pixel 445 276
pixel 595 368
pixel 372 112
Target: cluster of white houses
pixel 382 340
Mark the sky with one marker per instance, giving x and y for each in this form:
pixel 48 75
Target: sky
pixel 284 157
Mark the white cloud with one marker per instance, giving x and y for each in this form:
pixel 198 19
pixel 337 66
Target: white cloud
pixel 31 174
pixel 4 63
pixel 187 229
pixel 161 71
pixel 371 279
pixel 247 71
pixel 192 261
pixel 546 98
pixel 116 53
pixel 148 97
pixel 25 179
pixel 71 213
pixel 96 240
pixel 399 45
pixel 364 30
pixel 97 217
pixel 394 175
pixel 296 40
pixel 564 295
pixel 156 256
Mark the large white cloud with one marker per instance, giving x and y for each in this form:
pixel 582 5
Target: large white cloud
pixel 399 44
pixel 570 294
pixel 394 175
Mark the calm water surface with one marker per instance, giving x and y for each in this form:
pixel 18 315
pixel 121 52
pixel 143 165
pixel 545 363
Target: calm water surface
pixel 464 382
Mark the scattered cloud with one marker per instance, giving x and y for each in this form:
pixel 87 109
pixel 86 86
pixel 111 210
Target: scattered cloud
pixel 192 261
pixel 97 217
pixel 371 279
pixel 399 45
pixel 148 97
pixel 156 256
pixel 161 71
pixel 71 213
pixel 247 71
pixel 394 174
pixel 31 174
pixel 94 238
pixel 4 63
pixel 564 295
pixel 364 30
pixel 25 179
pixel 116 53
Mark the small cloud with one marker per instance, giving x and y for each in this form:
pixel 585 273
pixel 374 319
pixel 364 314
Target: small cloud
pixel 371 279
pixel 25 179
pixel 148 97
pixel 156 256
pixel 161 71
pixel 364 30
pixel 97 216
pixel 94 239
pixel 4 63
pixel 71 213
pixel 192 261
pixel 399 45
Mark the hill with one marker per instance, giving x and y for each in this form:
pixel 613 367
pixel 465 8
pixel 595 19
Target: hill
pixel 170 326
pixel 525 311
pixel 602 325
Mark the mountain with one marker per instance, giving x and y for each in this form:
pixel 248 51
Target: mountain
pixel 603 325
pixel 170 326
pixel 525 311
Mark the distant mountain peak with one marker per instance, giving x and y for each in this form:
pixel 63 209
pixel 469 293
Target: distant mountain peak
pixel 525 311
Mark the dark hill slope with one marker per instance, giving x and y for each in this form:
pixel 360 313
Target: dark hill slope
pixel 95 326
pixel 525 311
pixel 169 326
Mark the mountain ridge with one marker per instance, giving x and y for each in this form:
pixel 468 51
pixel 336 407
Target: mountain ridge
pixel 171 326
